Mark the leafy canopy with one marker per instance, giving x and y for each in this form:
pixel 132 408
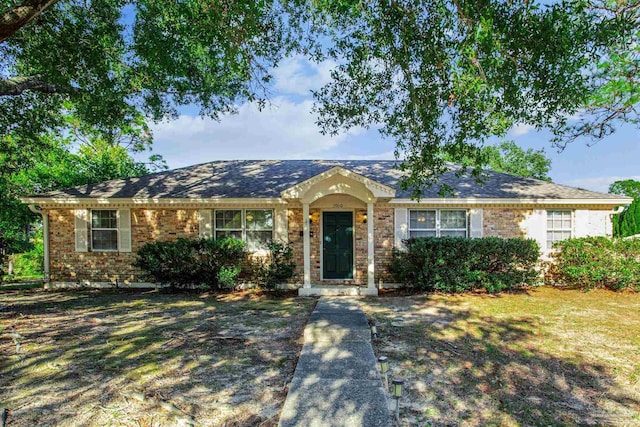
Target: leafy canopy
pixel 439 77
pixel 627 187
pixel 507 157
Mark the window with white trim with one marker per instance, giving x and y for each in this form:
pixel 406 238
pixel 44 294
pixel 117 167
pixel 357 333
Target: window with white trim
pixel 254 226
pixel 438 223
pixel 104 230
pixel 559 227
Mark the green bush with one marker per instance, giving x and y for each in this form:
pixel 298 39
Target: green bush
pixel 185 263
pixel 628 222
pixel 454 264
pixel 596 262
pixel 278 267
pixel 29 264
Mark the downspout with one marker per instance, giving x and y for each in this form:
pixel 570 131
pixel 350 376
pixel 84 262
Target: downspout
pixel 45 238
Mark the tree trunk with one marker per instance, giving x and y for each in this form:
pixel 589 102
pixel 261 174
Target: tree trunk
pixel 19 16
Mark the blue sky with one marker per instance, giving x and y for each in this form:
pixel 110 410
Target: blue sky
pixel 286 129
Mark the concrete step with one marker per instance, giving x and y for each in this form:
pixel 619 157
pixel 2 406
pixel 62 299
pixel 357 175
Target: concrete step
pixel 336 290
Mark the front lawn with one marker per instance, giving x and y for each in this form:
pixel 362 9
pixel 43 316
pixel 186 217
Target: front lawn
pixel 98 358
pixel 540 357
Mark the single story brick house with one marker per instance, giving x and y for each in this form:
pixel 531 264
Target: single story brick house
pixel 342 218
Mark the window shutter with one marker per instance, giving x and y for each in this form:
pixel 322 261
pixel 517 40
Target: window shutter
pixel 475 223
pixel 124 230
pixel 401 227
pixel 536 226
pixel 204 224
pixel 81 230
pixel 281 225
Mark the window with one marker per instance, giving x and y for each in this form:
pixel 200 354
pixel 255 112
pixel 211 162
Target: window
pixel 453 223
pixel 437 223
pixel 255 226
pixel 104 230
pixel 422 223
pixel 558 227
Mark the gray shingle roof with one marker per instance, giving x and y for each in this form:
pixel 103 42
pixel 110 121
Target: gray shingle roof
pixel 267 178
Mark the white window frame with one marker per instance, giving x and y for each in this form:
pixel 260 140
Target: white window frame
pixel 570 229
pixel 91 230
pixel 244 224
pixel 438 229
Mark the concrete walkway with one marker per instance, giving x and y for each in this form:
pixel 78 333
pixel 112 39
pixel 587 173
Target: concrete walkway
pixel 337 381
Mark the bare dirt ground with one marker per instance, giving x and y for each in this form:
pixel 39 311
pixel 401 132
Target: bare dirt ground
pixel 540 357
pixel 142 358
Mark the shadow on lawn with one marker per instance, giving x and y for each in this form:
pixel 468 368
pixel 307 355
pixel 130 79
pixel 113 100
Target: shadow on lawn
pixel 83 352
pixel 486 370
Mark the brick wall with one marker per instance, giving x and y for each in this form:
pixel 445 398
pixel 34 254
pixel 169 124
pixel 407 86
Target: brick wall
pixel 169 224
pixel 505 223
pixel 385 238
pixel 147 225
pixel 296 241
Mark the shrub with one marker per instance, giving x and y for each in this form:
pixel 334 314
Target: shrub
pixel 454 264
pixel 186 263
pixel 628 222
pixel 596 262
pixel 278 267
pixel 29 264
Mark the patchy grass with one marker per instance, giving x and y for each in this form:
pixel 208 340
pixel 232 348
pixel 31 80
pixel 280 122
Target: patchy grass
pixel 540 357
pixel 98 358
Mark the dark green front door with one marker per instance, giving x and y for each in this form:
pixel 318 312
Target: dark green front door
pixel 337 246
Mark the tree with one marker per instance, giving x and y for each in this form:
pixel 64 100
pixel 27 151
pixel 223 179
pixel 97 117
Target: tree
pixel 442 77
pixel 56 167
pixel 627 187
pixel 107 68
pixel 438 76
pixel 628 222
pixel 507 157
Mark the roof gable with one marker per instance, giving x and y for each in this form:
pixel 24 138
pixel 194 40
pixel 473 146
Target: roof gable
pixel 376 188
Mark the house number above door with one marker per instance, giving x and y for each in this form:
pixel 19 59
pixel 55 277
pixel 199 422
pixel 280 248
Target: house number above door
pixel 338 205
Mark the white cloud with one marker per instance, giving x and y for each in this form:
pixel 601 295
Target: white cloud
pixel 298 75
pixel 283 130
pixel 598 183
pixel 520 129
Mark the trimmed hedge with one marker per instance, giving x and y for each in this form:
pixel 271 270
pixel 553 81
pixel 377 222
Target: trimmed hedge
pixel 186 263
pixel 214 264
pixel 455 264
pixel 596 262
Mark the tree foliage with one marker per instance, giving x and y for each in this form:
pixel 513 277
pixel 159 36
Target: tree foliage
pixel 507 157
pixel 628 222
pixel 627 187
pixel 65 162
pixel 436 76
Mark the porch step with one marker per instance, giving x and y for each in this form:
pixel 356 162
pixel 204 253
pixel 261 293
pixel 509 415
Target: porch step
pixel 336 290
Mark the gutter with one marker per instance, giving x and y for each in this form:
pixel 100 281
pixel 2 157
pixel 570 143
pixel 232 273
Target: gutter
pixel 45 239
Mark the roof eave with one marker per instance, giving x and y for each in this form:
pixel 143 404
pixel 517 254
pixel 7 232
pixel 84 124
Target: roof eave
pixel 514 201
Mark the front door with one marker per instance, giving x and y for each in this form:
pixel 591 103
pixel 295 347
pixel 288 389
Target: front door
pixel 337 245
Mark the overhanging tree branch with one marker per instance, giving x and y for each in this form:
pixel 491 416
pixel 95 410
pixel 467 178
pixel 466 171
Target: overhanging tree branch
pixel 19 16
pixel 15 86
